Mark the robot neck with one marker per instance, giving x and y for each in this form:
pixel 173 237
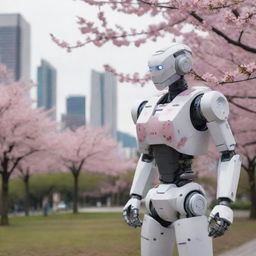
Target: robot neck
pixel 176 88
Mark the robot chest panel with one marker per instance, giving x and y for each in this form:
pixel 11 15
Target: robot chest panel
pixel 170 124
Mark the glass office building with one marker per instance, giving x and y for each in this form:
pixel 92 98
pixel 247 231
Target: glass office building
pixel 103 111
pixel 15 45
pixel 46 88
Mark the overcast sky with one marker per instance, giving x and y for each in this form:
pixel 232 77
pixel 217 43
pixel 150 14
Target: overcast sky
pixel 59 17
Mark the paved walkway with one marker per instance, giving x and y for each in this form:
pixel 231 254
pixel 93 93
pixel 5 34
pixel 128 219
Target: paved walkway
pixel 247 249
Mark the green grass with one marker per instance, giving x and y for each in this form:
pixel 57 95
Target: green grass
pixel 90 234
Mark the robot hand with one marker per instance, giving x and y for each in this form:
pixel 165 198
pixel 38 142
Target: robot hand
pixel 131 212
pixel 220 218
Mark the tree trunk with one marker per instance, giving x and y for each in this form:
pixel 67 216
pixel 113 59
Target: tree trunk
pixel 75 193
pixel 27 203
pixel 5 199
pixel 251 175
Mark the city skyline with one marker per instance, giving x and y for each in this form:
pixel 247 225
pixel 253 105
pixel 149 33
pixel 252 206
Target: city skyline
pixel 74 68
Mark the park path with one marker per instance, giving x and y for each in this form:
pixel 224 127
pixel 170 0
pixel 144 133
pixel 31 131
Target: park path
pixel 247 249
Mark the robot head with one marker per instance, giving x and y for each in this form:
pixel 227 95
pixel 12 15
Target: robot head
pixel 168 65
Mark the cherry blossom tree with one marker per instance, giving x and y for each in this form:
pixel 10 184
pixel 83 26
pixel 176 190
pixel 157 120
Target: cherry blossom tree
pixel 245 133
pixel 43 161
pixel 220 33
pixel 22 132
pixel 92 150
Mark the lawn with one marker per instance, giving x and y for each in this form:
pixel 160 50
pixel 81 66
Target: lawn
pixel 91 234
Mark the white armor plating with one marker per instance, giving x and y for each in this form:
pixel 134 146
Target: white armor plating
pixel 134 110
pixel 168 200
pixel 191 237
pixel 170 124
pixel 156 239
pixel 214 106
pixel 224 212
pixel 228 178
pixel 172 128
pixel 144 175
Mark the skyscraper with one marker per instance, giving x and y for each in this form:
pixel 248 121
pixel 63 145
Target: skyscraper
pixel 15 45
pixel 75 116
pixel 46 90
pixel 103 111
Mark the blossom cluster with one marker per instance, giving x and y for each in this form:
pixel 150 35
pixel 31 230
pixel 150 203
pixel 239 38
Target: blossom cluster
pixel 128 78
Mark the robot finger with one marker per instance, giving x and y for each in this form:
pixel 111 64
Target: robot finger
pixel 134 218
pixel 126 218
pixel 218 228
pixel 137 216
pixel 136 223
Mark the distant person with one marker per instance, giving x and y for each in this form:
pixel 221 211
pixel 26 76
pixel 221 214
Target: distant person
pixel 45 206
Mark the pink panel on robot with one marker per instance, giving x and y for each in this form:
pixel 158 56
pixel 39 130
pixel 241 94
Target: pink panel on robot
pixel 186 92
pixel 182 142
pixel 167 131
pixel 141 132
pixel 155 130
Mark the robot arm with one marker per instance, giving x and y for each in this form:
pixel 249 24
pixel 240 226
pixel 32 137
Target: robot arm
pixel 214 107
pixel 144 175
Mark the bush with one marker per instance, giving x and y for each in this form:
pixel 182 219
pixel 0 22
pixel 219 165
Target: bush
pixel 241 205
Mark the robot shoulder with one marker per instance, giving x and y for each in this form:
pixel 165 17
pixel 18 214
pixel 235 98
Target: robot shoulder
pixel 137 108
pixel 139 105
pixel 214 106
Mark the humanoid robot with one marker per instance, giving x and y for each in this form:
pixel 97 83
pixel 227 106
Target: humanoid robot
pixel 172 128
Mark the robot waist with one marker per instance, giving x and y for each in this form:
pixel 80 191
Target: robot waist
pixel 180 177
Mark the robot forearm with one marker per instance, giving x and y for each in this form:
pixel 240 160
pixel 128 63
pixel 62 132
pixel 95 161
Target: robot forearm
pixel 228 176
pixel 144 175
pixel 142 180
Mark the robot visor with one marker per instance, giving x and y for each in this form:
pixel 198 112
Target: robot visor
pixel 158 67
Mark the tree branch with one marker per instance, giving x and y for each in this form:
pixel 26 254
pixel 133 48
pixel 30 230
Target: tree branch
pixel 240 36
pixel 214 29
pixel 238 81
pixel 224 36
pixel 239 97
pixel 249 143
pixel 242 107
pixel 18 159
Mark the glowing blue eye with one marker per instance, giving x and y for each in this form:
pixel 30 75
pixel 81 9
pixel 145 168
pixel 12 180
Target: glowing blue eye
pixel 159 67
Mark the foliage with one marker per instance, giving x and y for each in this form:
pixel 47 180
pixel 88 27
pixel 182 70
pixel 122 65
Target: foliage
pixel 42 185
pixel 221 34
pixel 241 205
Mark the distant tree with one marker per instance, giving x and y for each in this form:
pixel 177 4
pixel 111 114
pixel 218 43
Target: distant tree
pixel 21 132
pixel 89 149
pixel 39 162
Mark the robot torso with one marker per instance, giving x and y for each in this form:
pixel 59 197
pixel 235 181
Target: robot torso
pixel 170 124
